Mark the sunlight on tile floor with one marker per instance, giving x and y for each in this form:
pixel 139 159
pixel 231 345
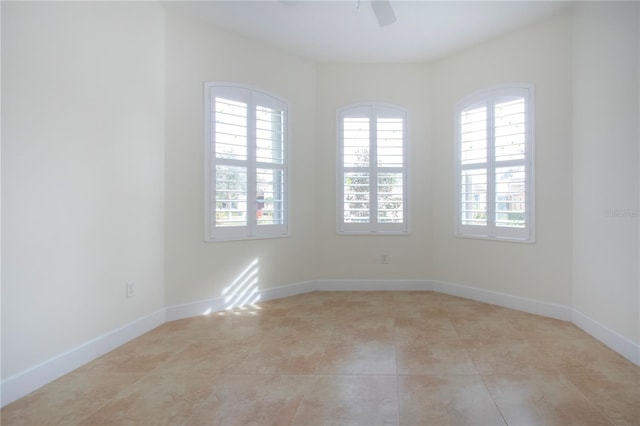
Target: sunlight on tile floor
pixel 348 358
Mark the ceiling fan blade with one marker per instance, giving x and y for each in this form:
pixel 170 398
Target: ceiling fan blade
pixel 383 11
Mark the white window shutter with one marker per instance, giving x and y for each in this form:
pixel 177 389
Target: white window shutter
pixel 372 170
pixel 246 163
pixel 494 164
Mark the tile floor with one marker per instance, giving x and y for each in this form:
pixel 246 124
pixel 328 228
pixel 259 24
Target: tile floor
pixel 342 358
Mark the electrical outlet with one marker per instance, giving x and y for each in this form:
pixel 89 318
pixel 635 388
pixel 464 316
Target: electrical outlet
pixel 384 259
pixel 130 289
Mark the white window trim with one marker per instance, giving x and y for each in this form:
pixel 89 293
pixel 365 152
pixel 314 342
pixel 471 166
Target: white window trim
pixel 251 231
pixel 492 232
pixel 343 228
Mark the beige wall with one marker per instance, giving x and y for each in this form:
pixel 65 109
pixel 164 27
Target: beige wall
pixel 606 48
pixel 540 55
pixel 82 173
pixel 197 53
pixel 353 257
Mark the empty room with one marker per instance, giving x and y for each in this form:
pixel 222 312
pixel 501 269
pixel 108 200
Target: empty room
pixel 320 213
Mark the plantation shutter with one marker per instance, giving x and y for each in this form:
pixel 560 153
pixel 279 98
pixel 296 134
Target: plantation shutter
pixel 246 167
pixel 494 157
pixel 372 170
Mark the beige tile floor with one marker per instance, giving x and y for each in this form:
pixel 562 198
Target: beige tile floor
pixel 341 358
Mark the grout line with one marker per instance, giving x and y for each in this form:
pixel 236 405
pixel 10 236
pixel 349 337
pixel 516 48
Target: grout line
pixel 493 399
pixel 293 419
pixel 395 345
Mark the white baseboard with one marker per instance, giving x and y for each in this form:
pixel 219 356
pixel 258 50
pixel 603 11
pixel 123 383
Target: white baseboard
pixel 609 337
pixel 524 304
pixel 495 298
pixel 193 309
pixel 204 307
pixel 288 290
pixel 25 382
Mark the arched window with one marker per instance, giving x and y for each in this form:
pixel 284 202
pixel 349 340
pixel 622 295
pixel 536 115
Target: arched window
pixel 372 169
pixel 246 163
pixel 494 164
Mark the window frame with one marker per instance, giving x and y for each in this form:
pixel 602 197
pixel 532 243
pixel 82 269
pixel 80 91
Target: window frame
pixel 372 228
pixel 491 231
pixel 253 97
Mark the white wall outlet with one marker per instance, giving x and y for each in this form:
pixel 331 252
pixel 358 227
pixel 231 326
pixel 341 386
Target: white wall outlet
pixel 130 289
pixel 384 259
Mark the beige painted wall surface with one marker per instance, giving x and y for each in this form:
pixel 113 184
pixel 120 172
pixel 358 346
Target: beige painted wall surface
pixel 359 256
pixel 607 183
pixel 197 53
pixel 82 173
pixel 540 55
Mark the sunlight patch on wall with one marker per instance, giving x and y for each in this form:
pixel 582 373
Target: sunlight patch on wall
pixel 244 290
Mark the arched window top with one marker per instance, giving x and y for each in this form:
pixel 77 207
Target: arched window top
pixel 494 164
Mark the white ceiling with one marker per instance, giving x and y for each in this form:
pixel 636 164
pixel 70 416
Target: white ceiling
pixel 347 30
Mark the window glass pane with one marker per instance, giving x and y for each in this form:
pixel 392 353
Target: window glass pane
pixel 390 198
pixel 473 203
pixel 473 135
pixel 510 196
pixel 510 129
pixel 231 196
pixel 389 142
pixel 356 197
pixel 356 142
pixel 269 135
pixel 270 197
pixel 230 129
